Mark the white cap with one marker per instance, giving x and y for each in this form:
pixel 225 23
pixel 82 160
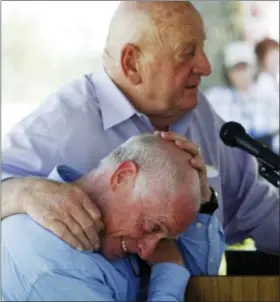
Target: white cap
pixel 239 52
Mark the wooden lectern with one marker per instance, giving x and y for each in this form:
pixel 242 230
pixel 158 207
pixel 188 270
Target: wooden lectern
pixel 234 289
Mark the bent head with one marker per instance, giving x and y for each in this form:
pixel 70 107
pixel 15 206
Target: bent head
pixel 147 191
pixel 157 60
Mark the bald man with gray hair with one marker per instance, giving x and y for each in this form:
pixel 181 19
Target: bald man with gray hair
pixel 149 196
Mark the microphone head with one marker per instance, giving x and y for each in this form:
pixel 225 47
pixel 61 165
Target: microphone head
pixel 230 131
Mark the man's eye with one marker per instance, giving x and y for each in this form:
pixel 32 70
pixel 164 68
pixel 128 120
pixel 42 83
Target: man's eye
pixel 155 229
pixel 151 228
pixel 190 53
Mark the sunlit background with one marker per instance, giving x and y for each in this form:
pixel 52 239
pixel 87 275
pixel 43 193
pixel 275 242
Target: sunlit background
pixel 46 44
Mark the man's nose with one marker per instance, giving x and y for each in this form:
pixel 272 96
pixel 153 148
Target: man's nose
pixel 147 245
pixel 202 65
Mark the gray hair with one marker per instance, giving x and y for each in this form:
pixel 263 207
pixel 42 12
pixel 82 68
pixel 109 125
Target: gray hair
pixel 159 166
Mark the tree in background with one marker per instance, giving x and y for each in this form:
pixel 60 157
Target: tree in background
pixel 223 23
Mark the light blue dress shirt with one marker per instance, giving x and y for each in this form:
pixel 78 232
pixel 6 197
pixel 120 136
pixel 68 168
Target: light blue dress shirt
pixel 86 119
pixel 38 266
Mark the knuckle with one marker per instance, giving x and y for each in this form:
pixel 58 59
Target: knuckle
pixel 195 146
pixel 96 215
pixel 74 195
pixel 76 230
pixel 62 232
pixel 89 227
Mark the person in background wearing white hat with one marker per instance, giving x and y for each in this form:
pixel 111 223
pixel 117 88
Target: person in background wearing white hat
pixel 239 100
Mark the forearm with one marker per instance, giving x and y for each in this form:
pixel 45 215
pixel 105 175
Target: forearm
pixel 17 192
pixel 168 282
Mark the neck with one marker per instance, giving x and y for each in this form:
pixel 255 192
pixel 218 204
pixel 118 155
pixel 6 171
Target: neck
pixel 160 121
pixel 93 186
pixel 96 186
pixel 160 125
pixel 242 89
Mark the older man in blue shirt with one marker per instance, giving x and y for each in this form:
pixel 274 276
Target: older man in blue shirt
pixel 152 70
pixel 139 215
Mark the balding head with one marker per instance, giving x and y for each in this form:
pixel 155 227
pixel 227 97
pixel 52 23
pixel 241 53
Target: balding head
pixel 149 25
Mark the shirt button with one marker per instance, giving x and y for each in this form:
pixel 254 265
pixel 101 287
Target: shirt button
pixel 198 225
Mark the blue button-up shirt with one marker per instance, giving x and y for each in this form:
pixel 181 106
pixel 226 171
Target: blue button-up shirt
pixel 38 266
pixel 86 119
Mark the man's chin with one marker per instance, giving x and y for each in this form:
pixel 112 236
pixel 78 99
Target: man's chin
pixel 190 102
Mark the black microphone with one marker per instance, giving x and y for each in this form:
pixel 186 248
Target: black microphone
pixel 234 135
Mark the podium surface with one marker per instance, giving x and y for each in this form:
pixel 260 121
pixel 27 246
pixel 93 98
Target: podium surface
pixel 233 289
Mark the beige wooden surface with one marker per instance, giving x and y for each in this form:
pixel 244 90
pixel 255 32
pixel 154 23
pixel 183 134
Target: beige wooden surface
pixel 234 289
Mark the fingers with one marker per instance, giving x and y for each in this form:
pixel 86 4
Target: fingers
pixel 188 146
pixel 197 162
pixel 180 141
pixel 63 232
pixel 87 227
pixel 94 213
pixel 78 231
pixel 70 215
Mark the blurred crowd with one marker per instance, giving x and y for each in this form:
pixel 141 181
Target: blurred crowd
pixel 250 94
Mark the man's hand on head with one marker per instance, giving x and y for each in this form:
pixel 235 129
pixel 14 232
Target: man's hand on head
pixel 166 251
pixel 196 161
pixel 66 210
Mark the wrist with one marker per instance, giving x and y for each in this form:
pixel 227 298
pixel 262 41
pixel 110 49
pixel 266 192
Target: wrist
pixel 33 191
pixel 210 206
pixel 208 195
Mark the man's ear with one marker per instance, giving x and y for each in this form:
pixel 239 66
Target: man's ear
pixel 130 56
pixel 124 175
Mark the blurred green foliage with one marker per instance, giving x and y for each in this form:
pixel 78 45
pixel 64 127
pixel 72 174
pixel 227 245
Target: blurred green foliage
pixel 223 24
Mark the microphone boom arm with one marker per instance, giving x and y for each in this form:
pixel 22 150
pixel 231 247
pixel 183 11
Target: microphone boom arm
pixel 270 174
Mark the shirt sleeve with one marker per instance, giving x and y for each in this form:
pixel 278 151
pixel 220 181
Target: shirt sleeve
pixel 168 282
pixel 59 287
pixel 48 135
pixel 202 245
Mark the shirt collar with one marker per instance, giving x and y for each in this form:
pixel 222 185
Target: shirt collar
pixel 115 107
pixel 63 174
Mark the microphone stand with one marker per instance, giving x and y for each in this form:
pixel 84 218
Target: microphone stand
pixel 269 172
